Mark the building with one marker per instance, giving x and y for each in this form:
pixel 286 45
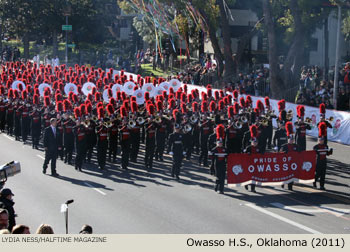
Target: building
pixel 318 53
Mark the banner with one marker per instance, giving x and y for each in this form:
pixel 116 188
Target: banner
pixel 271 168
pixel 341 120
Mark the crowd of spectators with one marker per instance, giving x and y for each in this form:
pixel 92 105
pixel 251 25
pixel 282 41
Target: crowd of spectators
pixel 314 89
pixel 8 215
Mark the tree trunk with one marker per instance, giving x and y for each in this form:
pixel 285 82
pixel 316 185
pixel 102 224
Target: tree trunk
pixel 242 44
pixel 201 44
pixel 275 86
pixel 226 34
pixel 54 43
pixel 26 45
pixel 293 62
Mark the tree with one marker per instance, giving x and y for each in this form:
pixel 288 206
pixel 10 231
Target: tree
pixel 295 21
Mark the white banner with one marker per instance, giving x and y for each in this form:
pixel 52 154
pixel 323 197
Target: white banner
pixel 341 123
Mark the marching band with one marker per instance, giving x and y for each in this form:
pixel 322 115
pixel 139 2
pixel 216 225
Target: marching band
pixel 115 113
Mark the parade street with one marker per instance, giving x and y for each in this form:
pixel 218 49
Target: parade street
pixel 115 201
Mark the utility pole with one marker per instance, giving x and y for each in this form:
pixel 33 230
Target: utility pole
pixel 336 70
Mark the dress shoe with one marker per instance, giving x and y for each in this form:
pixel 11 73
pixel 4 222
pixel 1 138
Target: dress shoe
pixel 322 188
pixel 55 174
pixel 44 171
pixel 314 184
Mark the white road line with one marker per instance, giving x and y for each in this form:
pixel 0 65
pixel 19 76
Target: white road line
pixel 9 137
pixel 300 210
pixel 293 223
pixel 97 190
pixel 320 209
pixel 40 157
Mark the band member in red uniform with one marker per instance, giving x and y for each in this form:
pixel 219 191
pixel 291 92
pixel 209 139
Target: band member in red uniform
pixel 219 155
pixel 59 109
pixel 233 135
pixel 25 119
pixel 150 138
pixel 124 139
pixel 102 141
pixel 36 122
pixel 18 105
pixel 301 127
pixel 323 119
pixel 322 151
pixel 80 140
pixel 10 112
pixel 205 131
pixel 113 134
pixel 68 136
pixel 269 129
pixel 161 132
pixel 2 109
pixel 290 146
pixel 253 148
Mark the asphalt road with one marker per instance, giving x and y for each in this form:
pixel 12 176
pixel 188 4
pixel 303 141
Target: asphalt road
pixel 114 201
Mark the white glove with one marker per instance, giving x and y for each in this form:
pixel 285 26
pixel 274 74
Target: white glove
pixel 184 153
pixel 171 153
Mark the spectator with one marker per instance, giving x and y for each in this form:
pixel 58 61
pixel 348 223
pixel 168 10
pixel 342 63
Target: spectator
pixel 44 229
pixel 86 229
pixel 7 203
pixel 20 229
pixel 4 219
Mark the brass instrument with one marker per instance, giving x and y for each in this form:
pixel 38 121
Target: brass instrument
pixel 264 122
pixel 131 123
pixel 140 120
pixel 238 125
pixel 158 119
pixel 187 128
pixel 308 120
pixel 108 124
pixel 330 119
pixel 86 123
pixel 193 119
pixel 244 119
